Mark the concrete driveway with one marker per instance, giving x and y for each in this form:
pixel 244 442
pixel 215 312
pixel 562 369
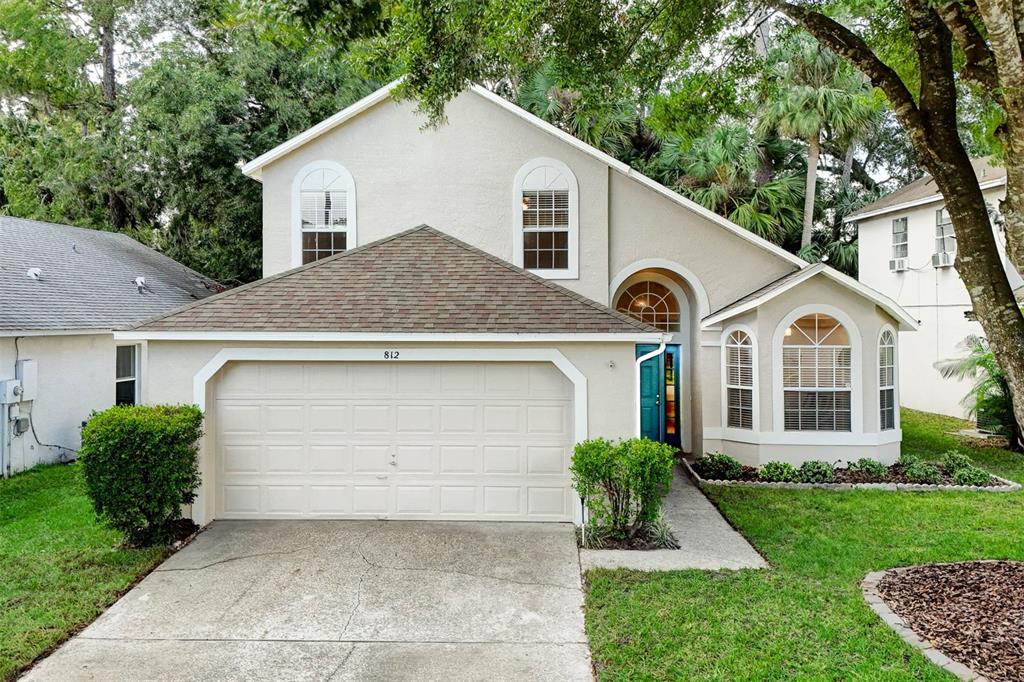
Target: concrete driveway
pixel 346 600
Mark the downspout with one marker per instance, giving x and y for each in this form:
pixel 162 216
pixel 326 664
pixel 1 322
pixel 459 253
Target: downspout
pixel 636 387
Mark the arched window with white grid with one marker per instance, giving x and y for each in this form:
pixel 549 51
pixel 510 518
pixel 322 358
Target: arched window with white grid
pixel 739 380
pixel 325 212
pixel 546 226
pixel 887 380
pixel 817 376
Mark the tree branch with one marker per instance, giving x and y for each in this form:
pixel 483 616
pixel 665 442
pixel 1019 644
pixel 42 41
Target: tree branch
pixel 852 47
pixel 981 64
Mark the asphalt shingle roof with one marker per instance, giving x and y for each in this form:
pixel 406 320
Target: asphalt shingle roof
pixel 87 279
pixel 925 187
pixel 420 280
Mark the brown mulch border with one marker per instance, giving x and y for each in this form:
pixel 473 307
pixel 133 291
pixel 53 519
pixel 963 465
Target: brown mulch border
pixel 966 617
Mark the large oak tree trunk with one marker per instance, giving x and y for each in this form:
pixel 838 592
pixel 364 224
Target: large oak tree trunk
pixel 810 185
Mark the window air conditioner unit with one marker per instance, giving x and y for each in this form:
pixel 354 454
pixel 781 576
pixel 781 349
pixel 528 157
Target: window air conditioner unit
pixel 898 264
pixel 943 260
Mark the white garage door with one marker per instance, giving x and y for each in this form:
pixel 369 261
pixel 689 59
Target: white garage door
pixel 405 440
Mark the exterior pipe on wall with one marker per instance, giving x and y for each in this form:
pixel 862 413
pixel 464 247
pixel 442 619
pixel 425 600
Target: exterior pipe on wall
pixel 636 387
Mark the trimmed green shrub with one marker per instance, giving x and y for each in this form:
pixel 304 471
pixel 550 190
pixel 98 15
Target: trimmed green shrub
pixel 715 466
pixel 622 484
pixel 971 475
pixel 778 472
pixel 955 460
pixel 140 465
pixel 921 472
pixel 906 459
pixel 816 471
pixel 869 467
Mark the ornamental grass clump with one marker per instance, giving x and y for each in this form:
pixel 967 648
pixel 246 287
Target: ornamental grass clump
pixel 140 465
pixel 716 466
pixel 778 472
pixel 622 484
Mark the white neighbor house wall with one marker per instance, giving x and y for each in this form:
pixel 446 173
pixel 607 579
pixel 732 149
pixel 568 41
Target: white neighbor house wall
pixel 76 376
pixel 935 296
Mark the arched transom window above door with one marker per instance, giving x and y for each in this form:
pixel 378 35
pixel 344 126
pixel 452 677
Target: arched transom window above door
pixel 653 303
pixel 547 224
pixel 326 216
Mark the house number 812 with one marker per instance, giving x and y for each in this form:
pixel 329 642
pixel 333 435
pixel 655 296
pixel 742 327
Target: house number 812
pixel 391 355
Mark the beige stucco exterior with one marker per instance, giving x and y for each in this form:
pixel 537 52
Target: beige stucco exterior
pixel 459 178
pixel 75 377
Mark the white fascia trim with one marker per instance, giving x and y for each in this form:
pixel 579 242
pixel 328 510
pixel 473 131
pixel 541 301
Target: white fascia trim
pixel 555 357
pixel 932 198
pixel 907 323
pixel 55 332
pixel 640 337
pixel 803 437
pixel 254 168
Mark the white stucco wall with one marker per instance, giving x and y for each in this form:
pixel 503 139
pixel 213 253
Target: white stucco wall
pixel 769 441
pixel 76 376
pixel 609 369
pixel 935 296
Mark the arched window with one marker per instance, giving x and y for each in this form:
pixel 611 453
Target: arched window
pixel 325 204
pixel 653 303
pixel 817 378
pixel 739 380
pixel 887 380
pixel 547 224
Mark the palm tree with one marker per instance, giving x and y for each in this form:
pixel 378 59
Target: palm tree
pixel 731 171
pixel 818 94
pixel 989 398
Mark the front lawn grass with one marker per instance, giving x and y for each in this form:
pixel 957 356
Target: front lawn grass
pixel 804 618
pixel 58 566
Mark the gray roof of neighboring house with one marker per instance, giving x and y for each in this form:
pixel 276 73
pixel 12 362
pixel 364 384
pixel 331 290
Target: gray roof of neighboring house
pixel 86 280
pixel 420 280
pixel 924 188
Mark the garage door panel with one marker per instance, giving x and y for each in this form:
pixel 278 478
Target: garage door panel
pixel 394 440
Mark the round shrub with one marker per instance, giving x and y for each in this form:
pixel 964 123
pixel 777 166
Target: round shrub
pixel 622 484
pixel 140 465
pixel 921 472
pixel 816 471
pixel 971 475
pixel 778 472
pixel 871 468
pixel 955 460
pixel 715 466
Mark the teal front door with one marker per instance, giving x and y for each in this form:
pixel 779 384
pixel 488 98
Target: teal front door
pixel 659 395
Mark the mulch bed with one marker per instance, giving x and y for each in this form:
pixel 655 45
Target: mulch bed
pixel 973 612
pixel 895 475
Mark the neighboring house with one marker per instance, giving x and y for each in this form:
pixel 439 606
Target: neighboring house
pixel 62 292
pixel 907 249
pixel 387 370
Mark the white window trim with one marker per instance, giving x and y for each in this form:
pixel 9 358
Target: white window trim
pixel 136 371
pixel 906 238
pixel 895 377
pixel 940 239
pixel 200 383
pixel 856 376
pixel 573 271
pixel 351 233
pixel 755 418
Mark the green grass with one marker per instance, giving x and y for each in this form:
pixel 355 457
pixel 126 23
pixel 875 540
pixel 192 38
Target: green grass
pixel 58 566
pixel 804 618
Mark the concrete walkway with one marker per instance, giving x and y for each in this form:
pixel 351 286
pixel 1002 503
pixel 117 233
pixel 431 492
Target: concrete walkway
pixel 346 600
pixel 706 540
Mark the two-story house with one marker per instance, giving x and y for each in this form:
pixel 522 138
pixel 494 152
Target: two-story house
pixel 906 251
pixel 446 312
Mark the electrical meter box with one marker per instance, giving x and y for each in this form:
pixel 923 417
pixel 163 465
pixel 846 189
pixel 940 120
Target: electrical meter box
pixel 28 372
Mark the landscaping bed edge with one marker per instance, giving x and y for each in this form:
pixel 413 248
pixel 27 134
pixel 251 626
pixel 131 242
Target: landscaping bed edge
pixel 1007 486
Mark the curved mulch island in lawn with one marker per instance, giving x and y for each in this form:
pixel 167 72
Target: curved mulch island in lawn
pixel 966 617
